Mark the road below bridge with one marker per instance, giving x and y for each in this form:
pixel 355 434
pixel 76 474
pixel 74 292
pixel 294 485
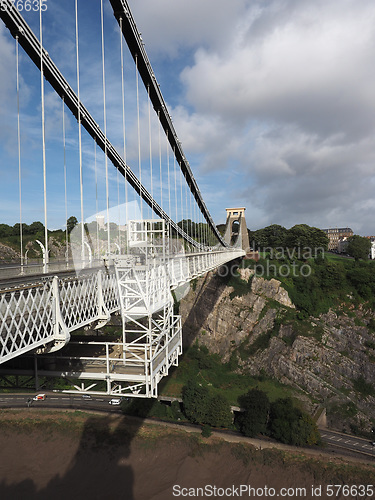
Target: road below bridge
pixel 335 444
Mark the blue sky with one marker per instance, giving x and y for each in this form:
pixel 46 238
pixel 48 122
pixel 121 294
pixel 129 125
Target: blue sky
pixel 272 101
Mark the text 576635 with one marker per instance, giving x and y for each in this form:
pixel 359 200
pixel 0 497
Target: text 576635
pixel 23 5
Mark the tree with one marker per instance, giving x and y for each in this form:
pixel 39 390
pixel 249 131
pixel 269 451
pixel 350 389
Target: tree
pixel 270 237
pixel 304 236
pixel 36 227
pixel 333 276
pixel 71 223
pixel 202 407
pixel 362 278
pixel 195 398
pixel 358 247
pixel 291 425
pixel 218 411
pixel 254 419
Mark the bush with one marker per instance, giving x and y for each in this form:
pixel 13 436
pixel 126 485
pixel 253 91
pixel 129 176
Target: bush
pixel 195 399
pixel 203 407
pixel 206 431
pixel 254 419
pixel 218 411
pixel 291 425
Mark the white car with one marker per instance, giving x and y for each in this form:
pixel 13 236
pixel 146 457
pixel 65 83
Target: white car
pixel 115 401
pixel 39 397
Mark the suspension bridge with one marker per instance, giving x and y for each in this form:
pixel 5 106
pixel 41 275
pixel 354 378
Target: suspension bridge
pixel 144 229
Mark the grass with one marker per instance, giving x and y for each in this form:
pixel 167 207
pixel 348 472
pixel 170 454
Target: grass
pixel 208 370
pixel 333 257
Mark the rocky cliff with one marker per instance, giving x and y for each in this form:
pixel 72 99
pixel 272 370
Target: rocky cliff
pixel 329 359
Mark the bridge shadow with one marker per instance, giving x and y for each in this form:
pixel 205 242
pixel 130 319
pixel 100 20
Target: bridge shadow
pixel 206 298
pixel 102 466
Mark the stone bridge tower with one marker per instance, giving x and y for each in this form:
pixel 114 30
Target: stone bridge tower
pixel 235 224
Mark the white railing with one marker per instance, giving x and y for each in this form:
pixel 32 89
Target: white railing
pixel 42 316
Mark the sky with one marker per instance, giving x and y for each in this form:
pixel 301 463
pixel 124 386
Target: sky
pixel 272 100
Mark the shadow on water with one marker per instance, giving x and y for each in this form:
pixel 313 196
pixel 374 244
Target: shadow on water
pixel 97 471
pixel 101 468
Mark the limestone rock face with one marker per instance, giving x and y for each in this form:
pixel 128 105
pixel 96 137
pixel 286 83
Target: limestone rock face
pixel 246 273
pixel 7 253
pixel 322 357
pixel 222 323
pixel 271 289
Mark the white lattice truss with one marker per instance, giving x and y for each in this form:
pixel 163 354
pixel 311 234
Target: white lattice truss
pixel 40 318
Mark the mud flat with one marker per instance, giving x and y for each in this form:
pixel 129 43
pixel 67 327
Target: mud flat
pixel 76 455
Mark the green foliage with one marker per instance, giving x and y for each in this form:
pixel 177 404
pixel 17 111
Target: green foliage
pixel 201 406
pixel 71 223
pixel 300 236
pixel 240 286
pixel 315 282
pixel 358 247
pixel 344 411
pixel 254 419
pixel 151 408
pixel 218 410
pixel 304 236
pixel 272 236
pixel 11 237
pixel 361 277
pixel 199 231
pixel 195 400
pixel 291 425
pixel 330 283
pixel 206 431
pixel 219 377
pixel 366 389
pixel 201 354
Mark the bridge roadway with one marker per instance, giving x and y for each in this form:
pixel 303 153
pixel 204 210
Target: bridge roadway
pixel 38 279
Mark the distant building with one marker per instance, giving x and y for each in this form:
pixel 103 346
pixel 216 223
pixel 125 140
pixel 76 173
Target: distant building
pixel 372 250
pixel 342 245
pixel 335 235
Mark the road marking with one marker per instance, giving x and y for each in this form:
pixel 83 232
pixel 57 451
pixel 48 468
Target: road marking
pixel 339 439
pixel 346 442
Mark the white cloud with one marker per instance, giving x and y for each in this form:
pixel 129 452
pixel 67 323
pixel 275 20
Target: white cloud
pixel 275 106
pixel 169 27
pixel 292 95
